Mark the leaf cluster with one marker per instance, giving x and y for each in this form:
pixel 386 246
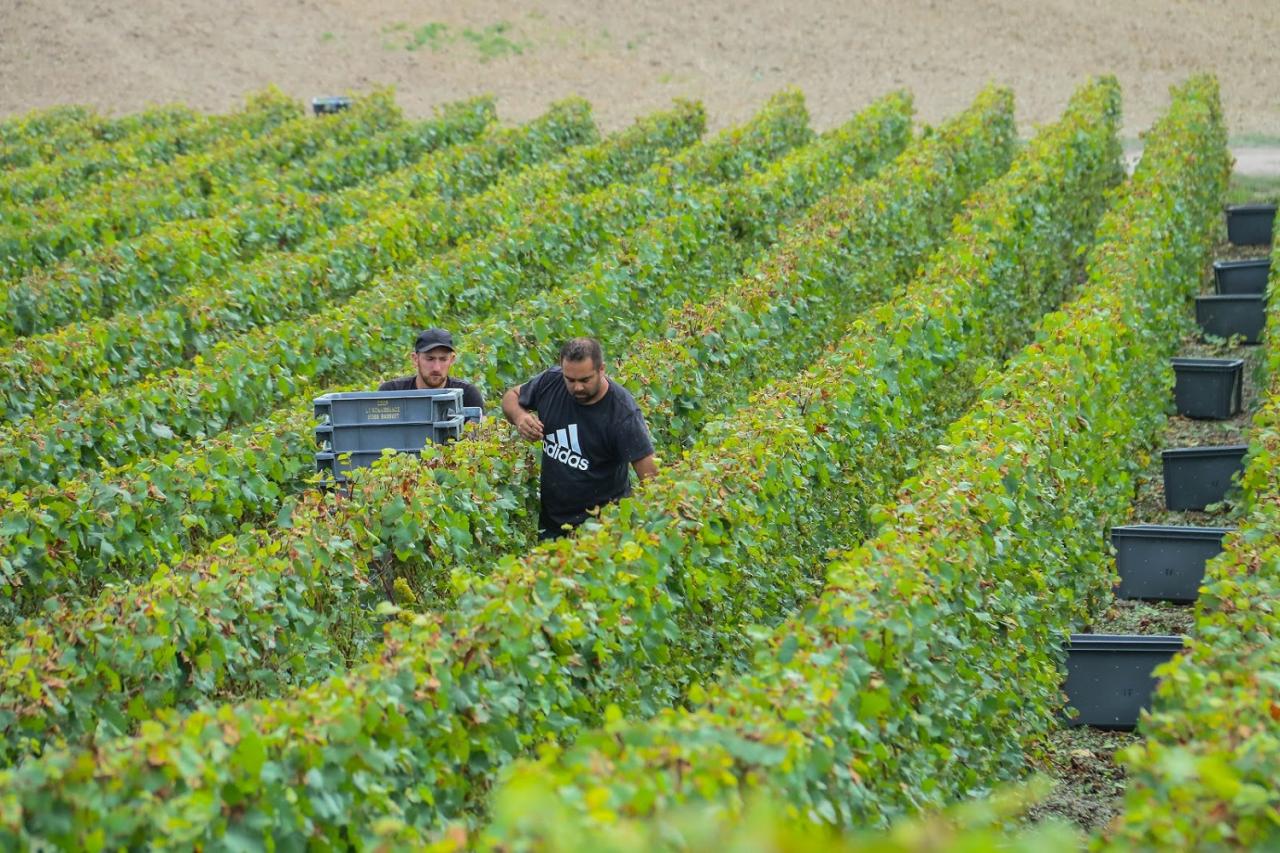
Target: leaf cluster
pixel 274 212
pixel 271 129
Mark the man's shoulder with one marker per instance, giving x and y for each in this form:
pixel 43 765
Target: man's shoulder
pixel 548 379
pixel 471 395
pixel 403 383
pixel 622 398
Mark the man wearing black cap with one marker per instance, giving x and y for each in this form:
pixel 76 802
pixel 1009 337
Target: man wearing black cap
pixel 432 357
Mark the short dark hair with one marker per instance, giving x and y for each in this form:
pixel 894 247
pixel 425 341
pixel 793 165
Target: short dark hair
pixel 577 349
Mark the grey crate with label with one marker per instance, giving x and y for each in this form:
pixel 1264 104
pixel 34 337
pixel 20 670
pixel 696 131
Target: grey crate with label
pixel 357 427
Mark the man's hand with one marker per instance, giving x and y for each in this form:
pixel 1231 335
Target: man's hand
pixel 526 422
pixel 529 426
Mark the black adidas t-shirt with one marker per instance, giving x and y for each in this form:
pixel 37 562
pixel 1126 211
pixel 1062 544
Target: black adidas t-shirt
pixel 586 450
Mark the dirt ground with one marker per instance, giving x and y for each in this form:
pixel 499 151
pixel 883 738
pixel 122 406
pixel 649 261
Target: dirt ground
pixel 629 58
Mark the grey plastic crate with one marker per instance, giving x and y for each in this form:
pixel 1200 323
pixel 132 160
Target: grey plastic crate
pixel 1160 562
pixel 1225 315
pixel 400 435
pixel 357 426
pixel 338 457
pixel 1110 677
pixel 1250 224
pixel 330 104
pixel 1241 277
pixel 358 408
pixel 1210 388
pixel 1195 477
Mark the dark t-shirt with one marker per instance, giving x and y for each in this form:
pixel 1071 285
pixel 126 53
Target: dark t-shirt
pixel 470 394
pixel 586 450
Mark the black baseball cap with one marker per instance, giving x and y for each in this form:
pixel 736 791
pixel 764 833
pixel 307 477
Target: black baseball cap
pixel 432 338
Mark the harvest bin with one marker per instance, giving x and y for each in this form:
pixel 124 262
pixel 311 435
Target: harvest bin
pixel 404 435
pixel 1225 315
pixel 1159 562
pixel 330 104
pixel 1195 477
pixel 1208 387
pixel 356 427
pixel 1241 277
pixel 1110 677
pixel 360 408
pixel 1250 224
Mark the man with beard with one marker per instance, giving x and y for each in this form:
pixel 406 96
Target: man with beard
pixel 432 356
pixel 591 431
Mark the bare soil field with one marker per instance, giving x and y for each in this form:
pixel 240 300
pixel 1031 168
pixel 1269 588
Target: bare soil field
pixel 630 58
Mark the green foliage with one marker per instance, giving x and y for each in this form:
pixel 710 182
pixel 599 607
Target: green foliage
pixel 106 150
pixel 41 135
pixel 270 132
pixel 240 379
pixel 356 237
pixel 627 615
pixel 766 826
pixel 696 251
pixel 274 212
pixel 934 649
pixel 50 541
pixel 1205 775
pixel 457 509
pixel 702 246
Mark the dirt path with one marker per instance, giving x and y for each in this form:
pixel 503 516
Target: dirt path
pixel 629 58
pixel 1257 161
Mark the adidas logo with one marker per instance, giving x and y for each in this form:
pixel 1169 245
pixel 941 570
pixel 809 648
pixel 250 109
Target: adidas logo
pixel 562 446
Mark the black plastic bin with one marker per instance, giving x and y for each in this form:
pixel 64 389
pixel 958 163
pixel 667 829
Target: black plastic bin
pixel 1250 224
pixel 1210 388
pixel 1110 677
pixel 1160 562
pixel 330 104
pixel 1195 477
pixel 1225 315
pixel 1241 277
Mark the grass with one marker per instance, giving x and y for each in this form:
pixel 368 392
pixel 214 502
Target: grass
pixel 493 41
pixel 1254 140
pixel 1247 188
pixel 490 42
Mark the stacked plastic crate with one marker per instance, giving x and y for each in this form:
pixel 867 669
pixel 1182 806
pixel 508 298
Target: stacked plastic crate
pixel 357 427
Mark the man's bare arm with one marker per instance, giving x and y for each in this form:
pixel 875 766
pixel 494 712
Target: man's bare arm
pixel 526 422
pixel 646 467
